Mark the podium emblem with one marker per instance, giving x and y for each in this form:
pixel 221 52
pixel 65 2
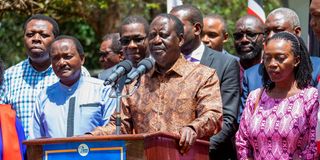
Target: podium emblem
pixel 83 150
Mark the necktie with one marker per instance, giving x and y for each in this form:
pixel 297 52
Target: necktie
pixel 70 121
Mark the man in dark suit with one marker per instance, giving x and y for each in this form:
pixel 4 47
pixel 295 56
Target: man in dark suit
pixel 227 68
pixel 281 19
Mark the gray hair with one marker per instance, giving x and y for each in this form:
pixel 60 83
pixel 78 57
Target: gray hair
pixel 290 14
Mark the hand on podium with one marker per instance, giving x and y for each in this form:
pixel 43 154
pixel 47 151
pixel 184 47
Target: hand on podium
pixel 188 137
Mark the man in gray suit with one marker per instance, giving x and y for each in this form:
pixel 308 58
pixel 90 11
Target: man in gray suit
pixel 227 68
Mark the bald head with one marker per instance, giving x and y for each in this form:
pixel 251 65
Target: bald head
pixel 282 19
pixel 249 21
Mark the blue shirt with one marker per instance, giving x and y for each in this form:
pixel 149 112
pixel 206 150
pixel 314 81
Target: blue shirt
pixel 21 86
pixel 93 108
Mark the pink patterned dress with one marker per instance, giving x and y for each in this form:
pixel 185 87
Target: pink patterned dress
pixel 279 128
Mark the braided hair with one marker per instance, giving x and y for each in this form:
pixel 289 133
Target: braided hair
pixel 302 73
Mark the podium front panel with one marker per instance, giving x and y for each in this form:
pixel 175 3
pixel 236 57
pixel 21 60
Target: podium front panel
pixel 85 150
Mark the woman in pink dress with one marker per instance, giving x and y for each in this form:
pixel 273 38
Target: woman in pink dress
pixel 280 119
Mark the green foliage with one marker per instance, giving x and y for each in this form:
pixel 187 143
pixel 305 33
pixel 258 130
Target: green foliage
pixel 89 20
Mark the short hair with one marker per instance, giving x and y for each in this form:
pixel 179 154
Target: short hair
pixel 220 18
pixel 115 42
pixel 194 16
pixel 56 30
pixel 135 19
pixel 178 25
pixel 73 39
pixel 290 15
pixel 1 71
pixel 303 72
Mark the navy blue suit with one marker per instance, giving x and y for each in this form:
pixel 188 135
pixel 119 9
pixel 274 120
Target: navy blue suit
pixel 252 79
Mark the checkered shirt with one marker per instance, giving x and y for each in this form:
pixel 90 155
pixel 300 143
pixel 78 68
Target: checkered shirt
pixel 22 84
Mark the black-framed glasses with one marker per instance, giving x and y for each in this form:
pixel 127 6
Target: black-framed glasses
pixel 249 35
pixel 137 40
pixel 104 53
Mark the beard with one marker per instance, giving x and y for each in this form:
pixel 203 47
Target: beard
pixel 256 51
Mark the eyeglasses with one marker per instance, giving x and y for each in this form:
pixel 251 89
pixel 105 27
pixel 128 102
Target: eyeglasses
pixel 250 35
pixel 104 53
pixel 137 40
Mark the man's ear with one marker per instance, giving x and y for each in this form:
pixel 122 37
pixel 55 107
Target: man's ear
pixel 82 59
pixel 181 40
pixel 225 37
pixel 297 31
pixel 197 28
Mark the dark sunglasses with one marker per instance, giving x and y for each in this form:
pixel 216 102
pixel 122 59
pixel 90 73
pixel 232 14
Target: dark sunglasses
pixel 249 35
pixel 137 40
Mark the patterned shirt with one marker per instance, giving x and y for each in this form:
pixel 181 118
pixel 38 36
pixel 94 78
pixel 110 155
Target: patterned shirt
pixel 21 86
pixel 186 95
pixel 279 128
pixel 92 108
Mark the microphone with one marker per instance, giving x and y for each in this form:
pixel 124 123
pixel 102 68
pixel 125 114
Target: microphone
pixel 123 68
pixel 144 66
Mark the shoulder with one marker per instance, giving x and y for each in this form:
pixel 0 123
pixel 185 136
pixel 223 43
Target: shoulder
pixel 92 81
pixel 202 70
pixel 18 67
pixel 85 72
pixel 254 70
pixel 310 93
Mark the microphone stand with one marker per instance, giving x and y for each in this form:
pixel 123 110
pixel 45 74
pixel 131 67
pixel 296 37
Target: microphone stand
pixel 116 92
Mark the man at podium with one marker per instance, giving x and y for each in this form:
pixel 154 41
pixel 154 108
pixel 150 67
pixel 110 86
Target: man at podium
pixel 74 105
pixel 177 96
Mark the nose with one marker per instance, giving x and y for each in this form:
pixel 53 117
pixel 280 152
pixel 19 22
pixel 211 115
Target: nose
pixel 205 39
pixel 36 38
pixel 132 44
pixel 157 40
pixel 272 63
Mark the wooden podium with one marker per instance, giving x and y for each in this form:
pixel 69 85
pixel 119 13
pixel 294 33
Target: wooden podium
pixel 155 146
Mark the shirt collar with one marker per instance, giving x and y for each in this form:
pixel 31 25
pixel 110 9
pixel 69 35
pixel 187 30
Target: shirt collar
pixel 45 71
pixel 197 53
pixel 72 88
pixel 179 67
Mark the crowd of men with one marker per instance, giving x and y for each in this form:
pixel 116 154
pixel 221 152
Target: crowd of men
pixel 196 89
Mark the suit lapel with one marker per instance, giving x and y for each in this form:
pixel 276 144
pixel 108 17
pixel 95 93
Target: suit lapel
pixel 206 58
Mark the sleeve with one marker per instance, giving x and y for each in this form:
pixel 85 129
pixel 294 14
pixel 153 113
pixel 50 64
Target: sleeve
pixel 312 110
pixel 243 146
pixel 36 127
pixel 3 90
pixel 230 93
pixel 110 128
pixel 109 105
pixel 209 108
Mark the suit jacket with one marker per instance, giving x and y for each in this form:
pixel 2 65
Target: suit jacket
pixel 228 71
pixel 252 79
